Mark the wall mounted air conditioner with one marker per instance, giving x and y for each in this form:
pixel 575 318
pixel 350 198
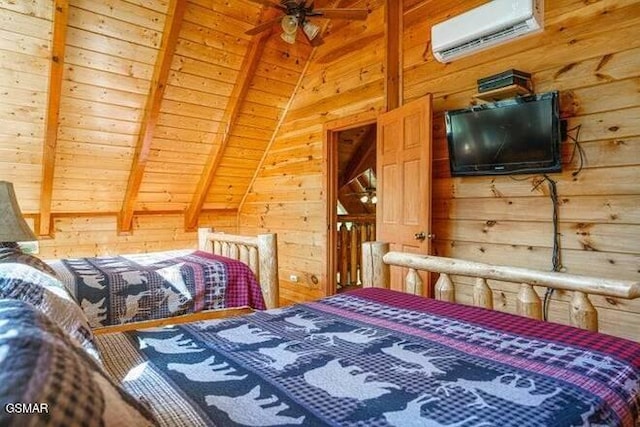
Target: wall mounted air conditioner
pixel 488 25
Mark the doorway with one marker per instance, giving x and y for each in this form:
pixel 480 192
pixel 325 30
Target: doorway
pixel 403 186
pixel 351 190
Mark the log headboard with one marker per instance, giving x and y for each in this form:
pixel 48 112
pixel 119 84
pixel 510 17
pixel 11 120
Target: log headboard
pixel 376 259
pixel 259 252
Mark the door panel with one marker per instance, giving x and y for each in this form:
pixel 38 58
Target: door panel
pixel 388 182
pixel 404 198
pixel 410 189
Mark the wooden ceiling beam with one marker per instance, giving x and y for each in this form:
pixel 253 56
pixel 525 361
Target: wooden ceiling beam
pixel 60 19
pixel 173 23
pixel 240 89
pixel 393 89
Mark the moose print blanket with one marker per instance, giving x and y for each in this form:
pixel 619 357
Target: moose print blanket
pixel 378 358
pixel 130 288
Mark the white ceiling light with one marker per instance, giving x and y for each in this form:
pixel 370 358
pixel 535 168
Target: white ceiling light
pixel 310 29
pixel 289 26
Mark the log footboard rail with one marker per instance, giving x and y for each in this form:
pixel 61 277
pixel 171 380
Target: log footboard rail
pixel 259 252
pixel 377 259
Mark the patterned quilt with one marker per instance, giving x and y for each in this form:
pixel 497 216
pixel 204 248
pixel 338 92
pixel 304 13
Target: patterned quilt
pixel 378 358
pixel 131 288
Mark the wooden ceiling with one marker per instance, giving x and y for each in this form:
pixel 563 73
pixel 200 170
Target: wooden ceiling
pixel 131 106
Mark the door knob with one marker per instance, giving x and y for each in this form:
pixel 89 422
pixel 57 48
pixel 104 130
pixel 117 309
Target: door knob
pixel 421 236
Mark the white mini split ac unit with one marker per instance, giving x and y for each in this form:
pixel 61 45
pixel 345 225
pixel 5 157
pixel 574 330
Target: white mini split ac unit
pixel 488 25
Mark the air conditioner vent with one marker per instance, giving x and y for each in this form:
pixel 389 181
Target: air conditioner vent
pixel 486 40
pixel 485 26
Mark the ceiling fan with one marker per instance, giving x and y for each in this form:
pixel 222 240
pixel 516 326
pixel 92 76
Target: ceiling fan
pixel 368 192
pixel 296 14
pixel 367 196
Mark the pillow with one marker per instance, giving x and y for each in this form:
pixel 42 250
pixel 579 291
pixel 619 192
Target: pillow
pixel 48 294
pixel 43 373
pixel 15 255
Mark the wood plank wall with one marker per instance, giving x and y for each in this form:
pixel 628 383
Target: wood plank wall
pixel 111 49
pixel 287 197
pixel 24 71
pixel 110 55
pixel 589 51
pixel 91 235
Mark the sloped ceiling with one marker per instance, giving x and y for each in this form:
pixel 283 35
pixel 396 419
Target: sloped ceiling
pixel 133 106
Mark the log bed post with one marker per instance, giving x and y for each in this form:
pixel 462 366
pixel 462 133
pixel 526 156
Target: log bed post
pixel 482 295
pixel 528 302
pixel 267 248
pixel 413 282
pixel 583 313
pixel 444 289
pixel 375 272
pixel 204 243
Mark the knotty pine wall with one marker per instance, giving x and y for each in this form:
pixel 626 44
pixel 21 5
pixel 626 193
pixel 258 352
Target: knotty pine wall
pixel 24 73
pixel 91 235
pixel 589 51
pixel 287 196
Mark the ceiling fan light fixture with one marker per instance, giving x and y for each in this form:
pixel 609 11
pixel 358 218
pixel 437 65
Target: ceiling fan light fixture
pixel 310 29
pixel 364 198
pixel 374 199
pixel 289 38
pixel 289 26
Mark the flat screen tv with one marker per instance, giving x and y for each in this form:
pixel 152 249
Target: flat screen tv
pixel 519 135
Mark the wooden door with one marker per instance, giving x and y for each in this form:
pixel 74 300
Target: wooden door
pixel 404 182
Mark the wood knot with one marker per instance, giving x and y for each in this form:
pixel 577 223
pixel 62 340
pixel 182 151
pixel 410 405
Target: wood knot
pixel 564 69
pixel 614 128
pixel 606 58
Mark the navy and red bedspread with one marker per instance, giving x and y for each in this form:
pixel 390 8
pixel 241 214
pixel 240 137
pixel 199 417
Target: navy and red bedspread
pixel 131 288
pixel 378 358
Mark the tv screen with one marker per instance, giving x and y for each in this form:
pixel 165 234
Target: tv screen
pixel 520 135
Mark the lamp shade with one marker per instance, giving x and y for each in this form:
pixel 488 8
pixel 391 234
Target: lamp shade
pixel 310 29
pixel 289 26
pixel 13 227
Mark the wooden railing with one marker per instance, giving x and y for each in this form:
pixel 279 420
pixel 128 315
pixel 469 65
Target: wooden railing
pixel 353 230
pixel 377 259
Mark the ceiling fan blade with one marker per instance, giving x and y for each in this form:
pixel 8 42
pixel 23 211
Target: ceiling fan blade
pixel 262 27
pixel 359 14
pixel 317 41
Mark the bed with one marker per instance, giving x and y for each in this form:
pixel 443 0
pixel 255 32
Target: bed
pixel 378 357
pixel 227 275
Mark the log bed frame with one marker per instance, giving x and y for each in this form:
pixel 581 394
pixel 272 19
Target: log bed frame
pixel 377 259
pixel 259 252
